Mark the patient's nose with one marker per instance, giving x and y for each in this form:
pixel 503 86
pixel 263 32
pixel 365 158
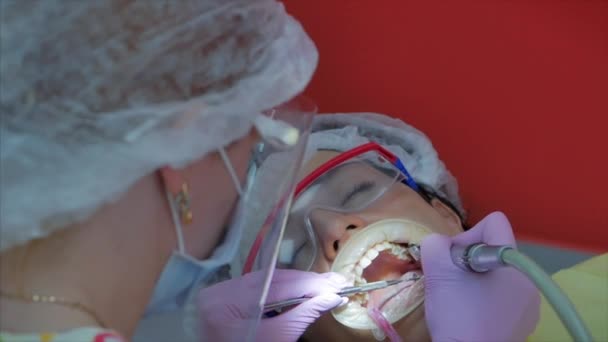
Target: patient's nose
pixel 334 229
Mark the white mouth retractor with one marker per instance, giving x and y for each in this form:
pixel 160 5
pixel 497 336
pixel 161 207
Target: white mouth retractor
pixel 395 231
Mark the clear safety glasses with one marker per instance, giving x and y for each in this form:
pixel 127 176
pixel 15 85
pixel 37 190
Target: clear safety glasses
pixel 348 182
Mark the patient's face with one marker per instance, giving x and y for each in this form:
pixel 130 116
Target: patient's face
pixel 333 228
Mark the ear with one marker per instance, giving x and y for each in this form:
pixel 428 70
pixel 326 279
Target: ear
pixel 172 179
pixel 447 213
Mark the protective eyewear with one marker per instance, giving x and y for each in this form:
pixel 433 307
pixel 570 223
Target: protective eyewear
pixel 348 182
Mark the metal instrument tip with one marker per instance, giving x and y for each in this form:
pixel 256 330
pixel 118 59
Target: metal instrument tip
pixel 414 251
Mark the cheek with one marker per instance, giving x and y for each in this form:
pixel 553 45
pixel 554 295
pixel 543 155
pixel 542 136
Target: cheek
pixel 321 265
pixel 398 204
pixel 413 327
pixel 406 204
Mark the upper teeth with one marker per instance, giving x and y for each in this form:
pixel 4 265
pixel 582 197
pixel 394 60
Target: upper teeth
pixel 358 249
pixel 386 235
pixel 372 253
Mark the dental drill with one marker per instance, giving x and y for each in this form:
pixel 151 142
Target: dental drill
pixel 481 258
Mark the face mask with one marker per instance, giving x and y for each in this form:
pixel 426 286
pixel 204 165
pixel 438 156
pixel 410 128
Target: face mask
pixel 180 275
pixel 184 274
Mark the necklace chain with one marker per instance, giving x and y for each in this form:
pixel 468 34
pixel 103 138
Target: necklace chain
pixel 44 299
pixel 36 298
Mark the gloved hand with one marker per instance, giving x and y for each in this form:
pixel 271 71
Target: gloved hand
pixel 223 317
pixel 501 305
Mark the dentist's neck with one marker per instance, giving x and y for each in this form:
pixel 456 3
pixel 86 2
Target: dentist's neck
pixel 95 264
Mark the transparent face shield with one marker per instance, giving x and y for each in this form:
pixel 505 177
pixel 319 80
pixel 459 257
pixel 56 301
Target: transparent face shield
pixel 268 194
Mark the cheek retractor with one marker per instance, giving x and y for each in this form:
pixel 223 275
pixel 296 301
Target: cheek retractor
pixel 379 252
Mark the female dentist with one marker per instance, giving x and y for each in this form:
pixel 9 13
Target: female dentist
pixel 126 132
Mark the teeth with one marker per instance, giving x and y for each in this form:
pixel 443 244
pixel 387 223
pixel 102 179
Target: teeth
pixel 397 249
pixel 362 298
pixel 364 262
pixel 403 257
pixel 372 254
pixel 358 270
pixel 360 281
pixel 379 247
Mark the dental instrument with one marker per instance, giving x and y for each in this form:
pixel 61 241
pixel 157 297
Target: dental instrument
pixel 345 292
pixel 482 258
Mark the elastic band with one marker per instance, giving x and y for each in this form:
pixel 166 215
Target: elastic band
pixel 235 179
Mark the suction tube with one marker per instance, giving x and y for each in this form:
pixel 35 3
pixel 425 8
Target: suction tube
pixel 481 258
pixel 384 326
pixel 553 293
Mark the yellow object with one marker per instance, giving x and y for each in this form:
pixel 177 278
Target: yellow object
pixel 183 202
pixel 46 337
pixel 586 284
pixel 86 334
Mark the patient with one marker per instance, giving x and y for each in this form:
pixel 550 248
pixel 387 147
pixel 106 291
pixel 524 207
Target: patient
pixel 356 213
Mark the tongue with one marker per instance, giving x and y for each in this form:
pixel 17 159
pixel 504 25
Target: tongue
pixel 386 266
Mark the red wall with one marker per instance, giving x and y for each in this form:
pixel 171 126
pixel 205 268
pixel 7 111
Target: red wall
pixel 514 96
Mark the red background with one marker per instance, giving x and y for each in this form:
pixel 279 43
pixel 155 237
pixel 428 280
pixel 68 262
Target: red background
pixel 514 95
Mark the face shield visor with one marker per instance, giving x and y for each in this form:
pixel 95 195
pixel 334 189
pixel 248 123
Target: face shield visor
pixel 277 186
pixel 283 130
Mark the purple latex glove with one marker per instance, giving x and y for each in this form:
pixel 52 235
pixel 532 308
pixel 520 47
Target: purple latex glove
pixel 501 305
pixel 223 318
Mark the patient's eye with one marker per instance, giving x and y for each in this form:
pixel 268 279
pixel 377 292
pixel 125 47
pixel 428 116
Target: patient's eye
pixel 357 193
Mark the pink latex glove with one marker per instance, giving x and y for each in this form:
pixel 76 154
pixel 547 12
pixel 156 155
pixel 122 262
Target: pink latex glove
pixel 224 319
pixel 501 305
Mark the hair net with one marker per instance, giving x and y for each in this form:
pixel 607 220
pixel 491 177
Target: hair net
pixel 341 132
pixel 97 94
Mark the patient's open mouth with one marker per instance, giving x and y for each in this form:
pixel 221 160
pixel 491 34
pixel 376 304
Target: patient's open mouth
pixel 379 252
pixel 382 261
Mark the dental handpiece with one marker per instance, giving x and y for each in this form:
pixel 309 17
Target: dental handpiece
pixel 481 258
pixel 478 257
